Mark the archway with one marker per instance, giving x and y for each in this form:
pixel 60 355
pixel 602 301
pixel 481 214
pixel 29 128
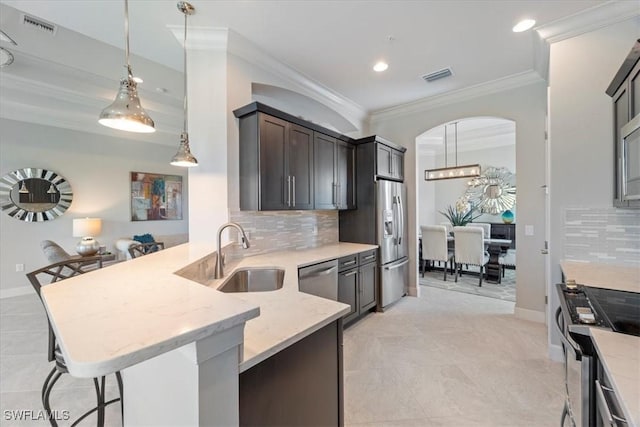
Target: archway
pixel 488 141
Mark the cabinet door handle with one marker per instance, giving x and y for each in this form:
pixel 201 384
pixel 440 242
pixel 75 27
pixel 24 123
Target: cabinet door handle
pixel 288 190
pixel 349 263
pixel 293 181
pixel 351 273
pixel 333 194
pixel 369 257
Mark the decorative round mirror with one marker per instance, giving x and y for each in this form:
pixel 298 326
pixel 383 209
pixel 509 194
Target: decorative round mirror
pixel 33 194
pixel 492 192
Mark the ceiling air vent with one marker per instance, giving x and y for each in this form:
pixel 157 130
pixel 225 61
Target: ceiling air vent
pixel 436 75
pixel 39 24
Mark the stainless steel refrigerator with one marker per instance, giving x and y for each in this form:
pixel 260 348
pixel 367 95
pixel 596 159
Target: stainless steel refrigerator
pixel 391 236
pixel 380 217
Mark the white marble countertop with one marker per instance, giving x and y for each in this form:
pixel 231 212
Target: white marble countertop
pixel 132 311
pixel 598 275
pixel 620 356
pixel 287 315
pixel 121 315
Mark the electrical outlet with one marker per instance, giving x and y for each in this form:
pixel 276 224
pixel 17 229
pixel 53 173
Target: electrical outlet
pixel 528 230
pixel 314 231
pixel 19 267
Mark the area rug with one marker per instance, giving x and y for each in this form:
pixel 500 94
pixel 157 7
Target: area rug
pixel 468 283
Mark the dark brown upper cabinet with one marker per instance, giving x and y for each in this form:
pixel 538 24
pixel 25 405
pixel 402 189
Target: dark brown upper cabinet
pixel 624 90
pixel 389 162
pixel 276 164
pixel 287 163
pixel 346 175
pixel 334 173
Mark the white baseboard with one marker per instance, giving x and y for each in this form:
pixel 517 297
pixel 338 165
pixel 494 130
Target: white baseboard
pixel 531 315
pixel 15 292
pixel 555 353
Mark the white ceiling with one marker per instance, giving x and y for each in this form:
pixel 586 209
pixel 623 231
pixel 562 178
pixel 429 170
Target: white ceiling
pixel 472 134
pixel 65 79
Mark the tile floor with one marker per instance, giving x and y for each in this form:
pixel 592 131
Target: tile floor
pixel 444 359
pixel 450 359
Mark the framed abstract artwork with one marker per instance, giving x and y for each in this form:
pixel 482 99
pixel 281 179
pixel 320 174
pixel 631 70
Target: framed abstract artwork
pixel 155 196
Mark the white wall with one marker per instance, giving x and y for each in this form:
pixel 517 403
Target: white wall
pixel 446 192
pixel 581 125
pixel 526 106
pixel 97 167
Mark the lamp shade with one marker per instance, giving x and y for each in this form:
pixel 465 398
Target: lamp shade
pixel 87 227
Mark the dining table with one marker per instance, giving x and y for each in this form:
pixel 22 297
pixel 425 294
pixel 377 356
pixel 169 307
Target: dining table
pixel 494 247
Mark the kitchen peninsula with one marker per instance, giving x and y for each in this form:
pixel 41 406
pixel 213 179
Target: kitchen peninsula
pixel 171 336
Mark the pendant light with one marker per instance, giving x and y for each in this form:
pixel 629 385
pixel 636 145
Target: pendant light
pixel 184 157
pixel 126 113
pixel 466 171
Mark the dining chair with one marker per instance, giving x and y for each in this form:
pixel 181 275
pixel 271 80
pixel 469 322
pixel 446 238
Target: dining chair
pixel 448 226
pixel 142 249
pixel 54 273
pixel 484 225
pixel 469 249
pixel 435 246
pixel 506 260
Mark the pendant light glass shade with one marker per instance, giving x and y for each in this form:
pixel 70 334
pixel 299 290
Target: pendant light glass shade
pixel 126 112
pixel 183 157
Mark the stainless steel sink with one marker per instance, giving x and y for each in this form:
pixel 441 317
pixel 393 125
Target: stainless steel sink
pixel 254 280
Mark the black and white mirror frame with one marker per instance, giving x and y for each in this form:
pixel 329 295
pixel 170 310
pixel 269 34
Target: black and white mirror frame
pixel 12 184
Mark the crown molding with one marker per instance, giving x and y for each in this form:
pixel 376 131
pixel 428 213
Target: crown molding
pixel 495 86
pixel 202 38
pixel 591 19
pixel 220 39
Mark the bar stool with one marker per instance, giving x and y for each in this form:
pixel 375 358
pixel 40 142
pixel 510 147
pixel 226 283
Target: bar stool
pixel 60 271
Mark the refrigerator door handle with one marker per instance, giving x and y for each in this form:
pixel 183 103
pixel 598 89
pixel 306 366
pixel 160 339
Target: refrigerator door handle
pixel 394 266
pixel 400 219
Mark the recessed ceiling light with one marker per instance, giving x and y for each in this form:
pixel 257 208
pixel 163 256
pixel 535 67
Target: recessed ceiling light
pixel 380 66
pixel 138 79
pixel 524 25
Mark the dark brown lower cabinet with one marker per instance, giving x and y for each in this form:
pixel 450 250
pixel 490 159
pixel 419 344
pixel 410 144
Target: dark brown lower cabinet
pixel 301 385
pixel 358 284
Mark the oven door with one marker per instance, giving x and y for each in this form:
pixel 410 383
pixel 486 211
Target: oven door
pixel 577 368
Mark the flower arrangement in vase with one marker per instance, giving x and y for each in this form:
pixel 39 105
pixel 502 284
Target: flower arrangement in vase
pixel 460 216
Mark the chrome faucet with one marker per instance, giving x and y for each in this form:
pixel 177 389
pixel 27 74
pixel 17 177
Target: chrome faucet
pixel 219 272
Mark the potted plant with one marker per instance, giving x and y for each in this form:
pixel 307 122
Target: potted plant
pixel 459 217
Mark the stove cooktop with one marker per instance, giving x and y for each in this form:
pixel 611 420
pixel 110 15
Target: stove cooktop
pixel 620 309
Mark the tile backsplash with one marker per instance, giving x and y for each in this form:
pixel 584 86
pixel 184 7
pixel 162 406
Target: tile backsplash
pixel 284 230
pixel 606 235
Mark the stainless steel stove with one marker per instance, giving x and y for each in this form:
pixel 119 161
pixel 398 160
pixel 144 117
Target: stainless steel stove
pixel 581 308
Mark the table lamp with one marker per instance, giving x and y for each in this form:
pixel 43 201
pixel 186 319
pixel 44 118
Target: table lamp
pixel 86 228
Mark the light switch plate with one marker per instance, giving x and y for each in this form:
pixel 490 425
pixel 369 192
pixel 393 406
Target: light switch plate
pixel 528 230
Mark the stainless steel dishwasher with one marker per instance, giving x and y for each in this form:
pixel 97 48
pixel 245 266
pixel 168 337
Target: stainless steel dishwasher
pixel 320 279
